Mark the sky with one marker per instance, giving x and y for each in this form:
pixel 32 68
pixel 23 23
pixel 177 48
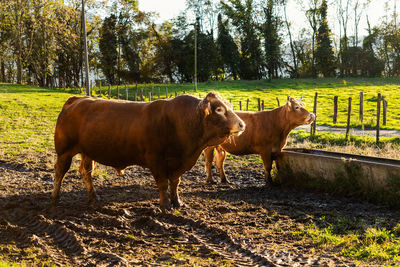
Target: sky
pixel 168 9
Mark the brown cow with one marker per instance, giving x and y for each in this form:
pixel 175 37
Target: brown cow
pixel 266 133
pixel 166 136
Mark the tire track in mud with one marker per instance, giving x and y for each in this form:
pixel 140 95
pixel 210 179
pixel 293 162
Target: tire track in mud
pixel 215 240
pixel 54 239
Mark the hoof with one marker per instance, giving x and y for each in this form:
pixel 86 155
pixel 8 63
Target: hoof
pixel 54 202
pixel 165 207
pixel 177 204
pixel 94 200
pixel 225 181
pixel 270 184
pixel 211 181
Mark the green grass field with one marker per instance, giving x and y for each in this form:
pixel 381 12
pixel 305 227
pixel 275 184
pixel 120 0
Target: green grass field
pixel 28 117
pixel 268 91
pixel 28 114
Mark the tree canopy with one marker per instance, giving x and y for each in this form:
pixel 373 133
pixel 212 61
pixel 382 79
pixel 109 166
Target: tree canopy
pixel 41 42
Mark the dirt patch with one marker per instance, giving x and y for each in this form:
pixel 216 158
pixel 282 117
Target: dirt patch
pixel 244 223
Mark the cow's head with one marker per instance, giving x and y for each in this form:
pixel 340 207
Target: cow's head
pixel 219 120
pixel 297 114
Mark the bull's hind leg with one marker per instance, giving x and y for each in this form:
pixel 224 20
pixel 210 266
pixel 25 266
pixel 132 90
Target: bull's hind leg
pixel 267 160
pixel 86 168
pixel 220 156
pixel 61 167
pixel 173 186
pixel 208 160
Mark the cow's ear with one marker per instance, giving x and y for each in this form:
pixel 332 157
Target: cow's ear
pixel 289 101
pixel 205 106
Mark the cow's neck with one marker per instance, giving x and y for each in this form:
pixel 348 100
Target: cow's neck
pixel 196 132
pixel 283 125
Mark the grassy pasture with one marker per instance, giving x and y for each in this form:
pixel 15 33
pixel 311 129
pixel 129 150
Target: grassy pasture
pixel 28 114
pixel 236 91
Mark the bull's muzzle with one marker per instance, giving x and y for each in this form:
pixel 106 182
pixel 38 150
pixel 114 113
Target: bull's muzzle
pixel 311 118
pixel 239 128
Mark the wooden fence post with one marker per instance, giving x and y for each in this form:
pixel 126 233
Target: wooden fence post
pixel 145 90
pixel 378 115
pixel 159 92
pixel 100 86
pixel 175 93
pixel 166 92
pixel 152 90
pixel 240 105
pixel 109 91
pixel 384 102
pixel 150 94
pixel 335 107
pixel 126 92
pixel 137 92
pixel 361 115
pixel 141 94
pixel 247 104
pixel 277 100
pixel 117 91
pixel 314 124
pixel 348 119
pixel 262 105
pixel 259 104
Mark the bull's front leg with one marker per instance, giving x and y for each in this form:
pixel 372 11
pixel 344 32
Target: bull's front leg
pixel 162 184
pixel 173 186
pixel 267 160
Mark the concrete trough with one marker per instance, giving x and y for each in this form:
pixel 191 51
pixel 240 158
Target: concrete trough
pixel 369 173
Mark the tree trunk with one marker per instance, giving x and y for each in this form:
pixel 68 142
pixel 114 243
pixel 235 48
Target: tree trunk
pixel 296 71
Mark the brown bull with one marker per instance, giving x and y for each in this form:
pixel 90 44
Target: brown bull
pixel 266 133
pixel 166 136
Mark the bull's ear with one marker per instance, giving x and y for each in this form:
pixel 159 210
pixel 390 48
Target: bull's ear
pixel 205 106
pixel 288 101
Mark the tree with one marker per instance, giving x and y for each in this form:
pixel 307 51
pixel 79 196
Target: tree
pixel 163 60
pixel 108 48
pixel 325 59
pixel 251 58
pixel 294 72
pixel 372 66
pixel 312 17
pixel 227 50
pixel 272 40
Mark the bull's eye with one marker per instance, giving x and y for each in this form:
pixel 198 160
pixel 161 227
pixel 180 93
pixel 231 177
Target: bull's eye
pixel 297 107
pixel 220 110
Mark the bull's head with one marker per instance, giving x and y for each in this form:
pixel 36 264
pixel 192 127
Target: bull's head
pixel 297 114
pixel 220 121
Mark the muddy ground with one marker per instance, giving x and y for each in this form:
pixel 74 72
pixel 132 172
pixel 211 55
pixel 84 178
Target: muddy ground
pixel 245 223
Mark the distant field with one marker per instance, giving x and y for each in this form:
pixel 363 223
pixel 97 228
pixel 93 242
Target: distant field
pixel 236 91
pixel 28 114
pixel 28 117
